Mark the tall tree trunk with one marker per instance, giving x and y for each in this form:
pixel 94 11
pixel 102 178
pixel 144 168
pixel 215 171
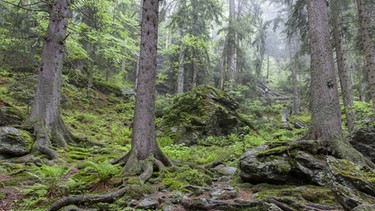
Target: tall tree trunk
pixel 343 74
pixel 181 60
pixel 45 117
pixel 268 67
pixel 145 151
pixel 137 67
pixel 363 81
pixel 296 99
pixel 368 47
pixel 325 108
pixel 231 57
pixel 222 74
pixel 194 74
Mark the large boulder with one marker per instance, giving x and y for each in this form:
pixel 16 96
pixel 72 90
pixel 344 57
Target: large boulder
pixel 283 163
pixel 204 111
pixel 363 140
pixel 299 162
pixel 9 115
pixel 352 185
pixel 14 142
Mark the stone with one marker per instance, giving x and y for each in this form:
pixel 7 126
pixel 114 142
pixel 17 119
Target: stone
pixel 148 203
pixel 75 208
pixel 363 140
pixel 224 194
pixel 225 170
pixel 365 207
pixel 283 163
pixel 273 170
pixel 14 142
pixel 9 115
pixel 352 184
pixel 202 112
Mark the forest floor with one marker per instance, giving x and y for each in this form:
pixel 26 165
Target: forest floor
pixel 191 184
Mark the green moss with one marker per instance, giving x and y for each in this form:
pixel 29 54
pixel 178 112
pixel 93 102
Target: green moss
pixel 28 140
pixel 300 194
pixel 272 151
pixel 352 171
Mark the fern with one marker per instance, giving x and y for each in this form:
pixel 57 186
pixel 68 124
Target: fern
pixel 104 170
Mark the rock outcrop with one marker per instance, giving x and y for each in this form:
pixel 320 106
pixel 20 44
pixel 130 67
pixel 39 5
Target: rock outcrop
pixel 9 115
pixel 299 162
pixel 363 140
pixel 204 111
pixel 14 142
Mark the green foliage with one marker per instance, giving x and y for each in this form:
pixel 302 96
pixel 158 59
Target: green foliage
pixel 365 113
pixel 51 184
pixel 104 171
pixel 121 135
pixel 178 177
pixel 164 141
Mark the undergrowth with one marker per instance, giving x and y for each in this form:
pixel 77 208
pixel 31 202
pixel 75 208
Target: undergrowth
pixel 106 120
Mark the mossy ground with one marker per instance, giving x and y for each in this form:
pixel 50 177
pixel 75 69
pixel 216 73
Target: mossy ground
pixel 106 119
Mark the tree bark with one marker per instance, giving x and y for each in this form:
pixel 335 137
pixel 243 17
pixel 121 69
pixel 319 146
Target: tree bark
pixel 45 116
pixel 325 108
pixel 144 146
pixel 180 77
pixel 343 74
pixel 231 60
pixel 368 46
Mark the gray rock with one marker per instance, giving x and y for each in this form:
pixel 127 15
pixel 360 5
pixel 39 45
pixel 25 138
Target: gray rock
pixel 222 194
pixel 148 203
pixel 282 163
pixel 225 170
pixel 9 115
pixel 75 208
pixel 365 207
pixel 363 140
pixel 351 183
pixel 14 142
pixel 274 170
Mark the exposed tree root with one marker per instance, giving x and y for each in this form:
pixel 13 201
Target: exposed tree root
pixel 88 199
pixel 337 146
pixel 55 135
pixel 143 168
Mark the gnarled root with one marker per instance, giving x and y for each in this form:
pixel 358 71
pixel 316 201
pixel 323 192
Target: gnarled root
pixel 88 199
pixel 143 168
pixel 57 135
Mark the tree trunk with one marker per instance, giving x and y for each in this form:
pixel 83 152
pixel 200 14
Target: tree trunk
pixel 180 77
pixel 194 74
pixel 343 74
pixel 45 116
pixel 231 60
pixel 325 108
pixel 222 75
pixel 144 146
pixel 296 99
pixel 368 47
pixel 363 83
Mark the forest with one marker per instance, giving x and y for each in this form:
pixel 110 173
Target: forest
pixel 179 105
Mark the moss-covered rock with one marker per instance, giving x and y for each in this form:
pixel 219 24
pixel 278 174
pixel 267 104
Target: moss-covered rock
pixel 353 185
pixel 204 111
pixel 300 162
pixel 363 140
pixel 283 163
pixel 14 142
pixel 9 115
